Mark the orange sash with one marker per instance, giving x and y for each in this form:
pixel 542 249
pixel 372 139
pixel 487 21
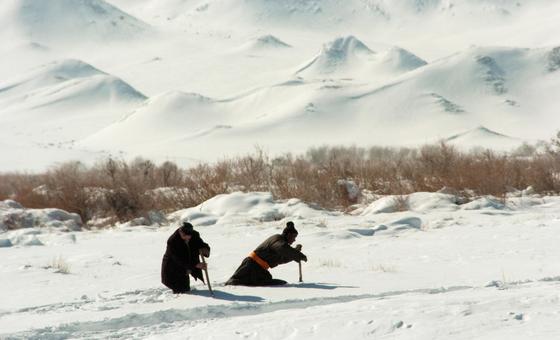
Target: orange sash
pixel 264 265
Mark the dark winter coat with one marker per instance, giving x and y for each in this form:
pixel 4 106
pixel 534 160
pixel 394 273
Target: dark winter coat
pixel 179 259
pixel 274 250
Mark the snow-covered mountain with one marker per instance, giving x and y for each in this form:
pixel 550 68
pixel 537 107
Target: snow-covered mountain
pixel 69 21
pixel 331 101
pixel 65 81
pixel 482 137
pixel 264 43
pixel 170 115
pixel 56 104
pixel 193 79
pixel 349 57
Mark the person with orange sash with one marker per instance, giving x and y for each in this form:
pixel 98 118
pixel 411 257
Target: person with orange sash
pixel 275 250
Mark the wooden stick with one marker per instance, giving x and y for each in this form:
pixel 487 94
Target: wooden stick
pixel 206 275
pixel 298 247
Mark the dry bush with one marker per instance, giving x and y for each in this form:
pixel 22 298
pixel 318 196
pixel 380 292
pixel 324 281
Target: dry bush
pixel 543 174
pixel 20 187
pixel 169 175
pixel 436 164
pixel 252 172
pixel 126 197
pixel 331 177
pixel 65 187
pixel 312 183
pixel 205 181
pixel 6 187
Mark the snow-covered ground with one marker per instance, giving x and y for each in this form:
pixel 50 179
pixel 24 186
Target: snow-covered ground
pixel 197 80
pixel 438 270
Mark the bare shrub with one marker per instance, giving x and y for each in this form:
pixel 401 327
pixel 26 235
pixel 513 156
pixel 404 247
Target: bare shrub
pixel 252 172
pixel 123 204
pixel 7 190
pixel 65 185
pixel 436 163
pixel 401 202
pixel 127 197
pixel 168 174
pixel 326 176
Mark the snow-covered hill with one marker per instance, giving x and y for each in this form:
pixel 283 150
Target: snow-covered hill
pixel 482 137
pixel 348 57
pixel 283 75
pixel 44 111
pixel 350 94
pixel 170 115
pixel 69 21
pixel 66 81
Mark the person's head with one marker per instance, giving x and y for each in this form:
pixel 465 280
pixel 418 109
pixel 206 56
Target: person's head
pixel 290 232
pixel 186 230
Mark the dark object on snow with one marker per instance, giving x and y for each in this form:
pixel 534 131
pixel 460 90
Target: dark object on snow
pixel 275 250
pixel 181 258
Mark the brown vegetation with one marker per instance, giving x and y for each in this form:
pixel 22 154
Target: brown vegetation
pixel 115 188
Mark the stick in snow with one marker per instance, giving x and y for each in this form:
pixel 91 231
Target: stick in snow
pixel 206 275
pixel 298 247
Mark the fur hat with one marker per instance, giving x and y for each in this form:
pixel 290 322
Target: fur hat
pixel 187 228
pixel 290 229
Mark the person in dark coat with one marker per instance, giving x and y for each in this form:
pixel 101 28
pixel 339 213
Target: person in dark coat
pixel 275 250
pixel 181 258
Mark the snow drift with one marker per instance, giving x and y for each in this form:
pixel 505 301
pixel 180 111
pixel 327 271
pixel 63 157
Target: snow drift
pixel 14 216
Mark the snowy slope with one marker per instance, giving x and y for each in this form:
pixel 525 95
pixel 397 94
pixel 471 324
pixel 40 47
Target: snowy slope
pixel 349 57
pixel 69 21
pixel 501 89
pixel 52 106
pixel 170 115
pixel 65 80
pixel 264 43
pixel 482 137
pixel 321 72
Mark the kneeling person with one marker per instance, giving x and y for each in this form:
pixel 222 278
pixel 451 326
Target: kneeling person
pixel 275 250
pixel 181 258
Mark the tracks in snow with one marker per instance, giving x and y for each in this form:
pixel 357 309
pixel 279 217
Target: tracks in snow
pixel 133 324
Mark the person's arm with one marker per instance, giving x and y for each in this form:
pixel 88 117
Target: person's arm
pixel 202 247
pixel 204 250
pixel 198 247
pixel 289 253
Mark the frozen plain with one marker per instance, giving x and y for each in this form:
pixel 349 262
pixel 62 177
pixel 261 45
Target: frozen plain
pixel 439 270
